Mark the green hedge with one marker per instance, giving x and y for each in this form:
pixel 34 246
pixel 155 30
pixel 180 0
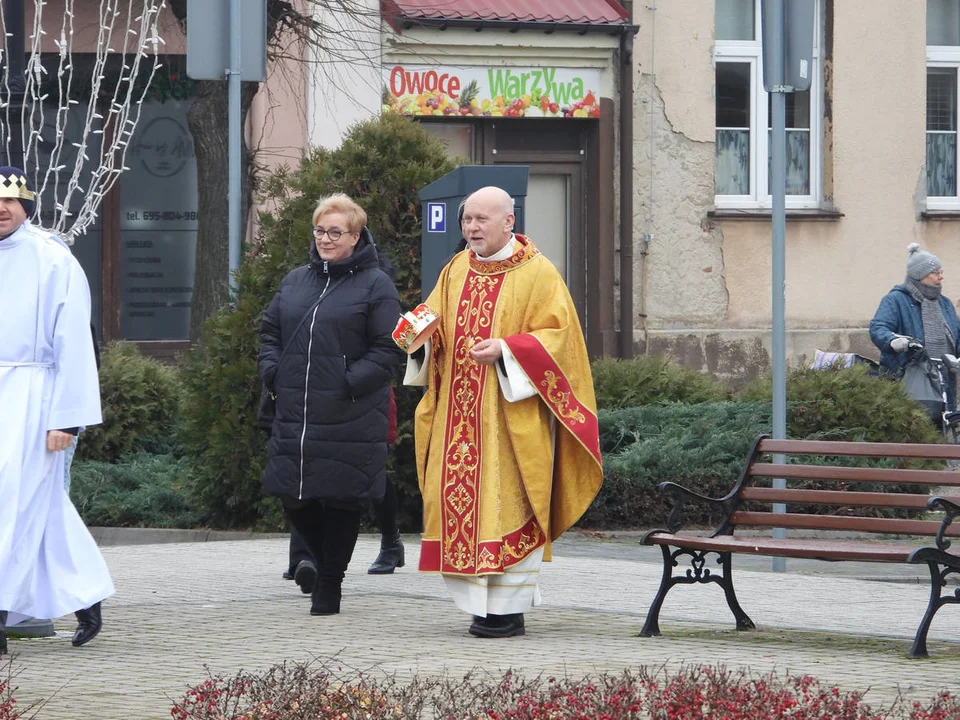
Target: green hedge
pixel 140 397
pixel 704 446
pixel 141 490
pixel 649 380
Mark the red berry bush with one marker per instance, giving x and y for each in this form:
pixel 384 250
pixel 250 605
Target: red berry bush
pixel 299 692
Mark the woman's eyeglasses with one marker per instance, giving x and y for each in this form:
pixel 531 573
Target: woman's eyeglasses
pixel 334 234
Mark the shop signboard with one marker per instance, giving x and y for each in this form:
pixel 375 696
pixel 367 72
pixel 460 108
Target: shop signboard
pixel 551 92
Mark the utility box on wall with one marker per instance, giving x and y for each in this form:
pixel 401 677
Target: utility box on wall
pixel 440 203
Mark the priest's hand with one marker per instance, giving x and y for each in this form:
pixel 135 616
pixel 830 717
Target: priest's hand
pixel 487 352
pixel 57 440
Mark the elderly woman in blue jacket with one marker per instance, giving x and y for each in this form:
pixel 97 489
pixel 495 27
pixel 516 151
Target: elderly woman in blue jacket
pixel 917 309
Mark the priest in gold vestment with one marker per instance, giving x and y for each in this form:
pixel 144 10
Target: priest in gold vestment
pixel 507 443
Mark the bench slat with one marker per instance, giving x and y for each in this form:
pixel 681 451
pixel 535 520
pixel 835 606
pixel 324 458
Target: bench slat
pixel 859 449
pixel 836 497
pixel 937 478
pixel 790 547
pixel 893 526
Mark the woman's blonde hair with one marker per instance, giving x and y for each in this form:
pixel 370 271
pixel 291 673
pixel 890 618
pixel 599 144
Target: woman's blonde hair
pixel 341 203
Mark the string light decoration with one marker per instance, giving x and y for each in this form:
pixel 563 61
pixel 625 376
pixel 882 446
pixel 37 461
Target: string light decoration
pixel 76 127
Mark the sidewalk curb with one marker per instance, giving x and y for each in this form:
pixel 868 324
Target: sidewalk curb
pixel 111 536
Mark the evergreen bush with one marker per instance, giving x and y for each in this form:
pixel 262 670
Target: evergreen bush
pixel 140 397
pixel 848 404
pixel 648 380
pixel 382 164
pixel 702 446
pixel 140 490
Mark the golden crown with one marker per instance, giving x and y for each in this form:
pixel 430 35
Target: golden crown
pixel 14 185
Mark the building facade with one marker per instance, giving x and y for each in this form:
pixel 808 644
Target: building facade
pixel 871 167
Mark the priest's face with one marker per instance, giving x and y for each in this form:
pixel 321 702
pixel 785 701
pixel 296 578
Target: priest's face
pixel 12 216
pixel 488 221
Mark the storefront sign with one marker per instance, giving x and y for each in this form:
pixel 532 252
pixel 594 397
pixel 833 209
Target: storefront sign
pixel 158 226
pixel 494 92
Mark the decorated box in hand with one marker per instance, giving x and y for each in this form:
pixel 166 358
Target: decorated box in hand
pixel 415 327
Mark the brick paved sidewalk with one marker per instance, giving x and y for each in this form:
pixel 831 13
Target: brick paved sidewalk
pixel 223 604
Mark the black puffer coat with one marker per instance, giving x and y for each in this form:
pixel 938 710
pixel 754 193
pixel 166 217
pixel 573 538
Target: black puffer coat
pixel 329 435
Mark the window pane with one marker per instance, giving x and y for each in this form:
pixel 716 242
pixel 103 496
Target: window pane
pixel 734 19
pixel 732 170
pixel 941 98
pixel 941 164
pixel 943 22
pixel 733 95
pixel 798 110
pixel 798 162
pixel 732 174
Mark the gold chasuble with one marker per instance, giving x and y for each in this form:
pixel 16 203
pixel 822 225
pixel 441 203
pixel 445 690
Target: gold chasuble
pixel 500 479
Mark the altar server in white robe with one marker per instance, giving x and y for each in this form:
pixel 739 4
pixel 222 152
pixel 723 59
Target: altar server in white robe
pixel 49 563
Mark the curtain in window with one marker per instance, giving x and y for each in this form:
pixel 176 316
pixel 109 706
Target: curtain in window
pixel 941 132
pixel 943 22
pixel 734 19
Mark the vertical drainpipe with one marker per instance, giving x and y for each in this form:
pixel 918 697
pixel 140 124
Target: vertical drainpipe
pixel 626 186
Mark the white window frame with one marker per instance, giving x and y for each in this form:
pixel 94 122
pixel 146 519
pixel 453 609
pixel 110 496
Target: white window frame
pixel 947 56
pixel 749 51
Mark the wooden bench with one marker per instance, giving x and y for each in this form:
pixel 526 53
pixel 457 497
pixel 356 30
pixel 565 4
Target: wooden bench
pixel 750 505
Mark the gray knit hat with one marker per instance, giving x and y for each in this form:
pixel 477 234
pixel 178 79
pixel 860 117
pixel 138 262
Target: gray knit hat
pixel 920 263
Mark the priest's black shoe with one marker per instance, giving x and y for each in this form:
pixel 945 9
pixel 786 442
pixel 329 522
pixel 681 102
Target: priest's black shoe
pixel 390 557
pixel 89 625
pixel 288 574
pixel 305 576
pixel 498 626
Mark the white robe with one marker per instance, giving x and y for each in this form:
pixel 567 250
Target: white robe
pixel 49 563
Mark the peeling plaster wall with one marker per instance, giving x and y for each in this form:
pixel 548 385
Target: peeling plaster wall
pixel 673 135
pixel 836 270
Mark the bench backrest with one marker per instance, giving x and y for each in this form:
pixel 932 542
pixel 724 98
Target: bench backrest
pixel 842 509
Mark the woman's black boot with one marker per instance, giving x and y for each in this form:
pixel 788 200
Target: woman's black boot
pixel 89 624
pixel 390 557
pixel 326 597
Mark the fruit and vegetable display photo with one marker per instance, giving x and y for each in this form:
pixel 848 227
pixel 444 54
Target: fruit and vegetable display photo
pixel 491 92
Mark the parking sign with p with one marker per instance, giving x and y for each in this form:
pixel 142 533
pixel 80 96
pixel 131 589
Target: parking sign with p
pixel 437 217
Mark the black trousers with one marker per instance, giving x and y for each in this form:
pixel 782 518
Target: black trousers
pixel 386 511
pixel 328 533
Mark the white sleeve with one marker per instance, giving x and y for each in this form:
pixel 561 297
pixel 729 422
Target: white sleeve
pixel 416 372
pixel 514 384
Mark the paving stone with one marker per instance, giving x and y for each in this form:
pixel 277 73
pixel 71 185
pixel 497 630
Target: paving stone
pixel 181 606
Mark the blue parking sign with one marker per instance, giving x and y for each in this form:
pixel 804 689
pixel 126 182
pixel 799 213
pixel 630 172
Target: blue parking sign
pixel 436 217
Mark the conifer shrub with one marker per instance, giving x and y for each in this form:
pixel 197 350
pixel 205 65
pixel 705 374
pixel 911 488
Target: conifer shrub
pixel 140 397
pixel 704 446
pixel 701 446
pixel 648 380
pixel 382 164
pixel 140 490
pixel 848 404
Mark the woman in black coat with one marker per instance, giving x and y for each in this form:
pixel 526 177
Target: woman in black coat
pixel 327 354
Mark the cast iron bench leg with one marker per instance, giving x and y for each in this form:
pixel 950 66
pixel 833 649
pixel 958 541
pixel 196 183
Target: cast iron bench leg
pixel 937 581
pixel 743 620
pixel 696 574
pixel 651 628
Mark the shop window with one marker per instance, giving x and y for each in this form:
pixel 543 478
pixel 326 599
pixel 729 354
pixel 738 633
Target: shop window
pixel 458 137
pixel 943 60
pixel 158 225
pixel 743 137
